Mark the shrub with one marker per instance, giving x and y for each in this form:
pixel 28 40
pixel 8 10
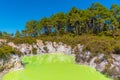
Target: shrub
pixel 5 51
pixel 22 40
pixel 116 49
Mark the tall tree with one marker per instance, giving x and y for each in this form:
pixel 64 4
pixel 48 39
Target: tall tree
pixel 17 34
pixel 58 21
pixel 5 34
pixel 73 18
pixel 1 34
pixel 31 28
pixel 39 27
pixel 24 33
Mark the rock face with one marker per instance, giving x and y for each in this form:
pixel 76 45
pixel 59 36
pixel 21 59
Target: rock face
pixel 13 63
pixel 107 64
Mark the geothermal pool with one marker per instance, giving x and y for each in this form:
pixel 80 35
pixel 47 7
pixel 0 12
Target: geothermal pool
pixel 53 67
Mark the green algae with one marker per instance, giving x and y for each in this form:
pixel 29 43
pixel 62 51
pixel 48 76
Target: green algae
pixel 54 67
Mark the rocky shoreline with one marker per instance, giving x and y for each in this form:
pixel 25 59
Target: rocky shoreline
pixel 2 74
pixel 106 64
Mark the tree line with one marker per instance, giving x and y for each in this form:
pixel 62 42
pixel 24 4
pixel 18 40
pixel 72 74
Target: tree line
pixel 97 19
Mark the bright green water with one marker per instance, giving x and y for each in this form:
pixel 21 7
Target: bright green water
pixel 53 67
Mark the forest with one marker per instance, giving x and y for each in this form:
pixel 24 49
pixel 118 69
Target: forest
pixel 97 19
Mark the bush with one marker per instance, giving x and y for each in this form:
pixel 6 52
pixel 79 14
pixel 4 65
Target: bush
pixel 5 51
pixel 116 49
pixel 22 40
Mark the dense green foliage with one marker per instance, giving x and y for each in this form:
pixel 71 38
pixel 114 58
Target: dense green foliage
pixel 5 51
pixel 17 34
pixel 17 40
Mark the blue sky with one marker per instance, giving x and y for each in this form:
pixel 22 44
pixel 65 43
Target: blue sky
pixel 15 13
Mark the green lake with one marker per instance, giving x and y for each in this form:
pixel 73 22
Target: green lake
pixel 53 67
